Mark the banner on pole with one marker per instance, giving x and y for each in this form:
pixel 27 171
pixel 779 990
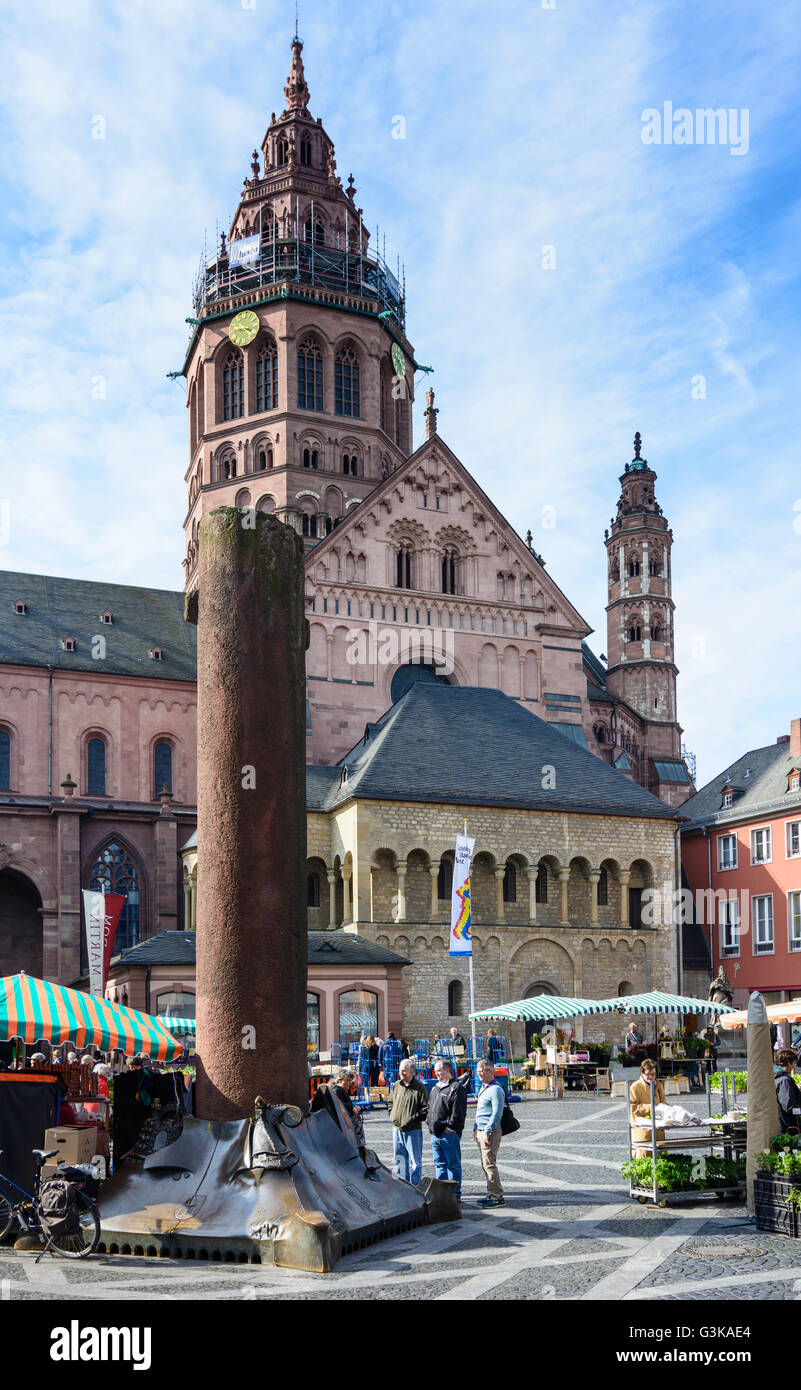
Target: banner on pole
pixel 102 913
pixel 244 251
pixel 461 942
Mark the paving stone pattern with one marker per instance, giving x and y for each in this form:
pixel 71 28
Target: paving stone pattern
pixel 568 1231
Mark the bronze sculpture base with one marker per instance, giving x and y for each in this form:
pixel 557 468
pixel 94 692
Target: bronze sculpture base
pixel 282 1189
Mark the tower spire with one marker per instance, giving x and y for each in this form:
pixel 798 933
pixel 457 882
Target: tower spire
pixel 296 91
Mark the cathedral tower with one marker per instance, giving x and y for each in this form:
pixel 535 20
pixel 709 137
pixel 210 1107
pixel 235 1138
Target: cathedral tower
pixel 640 633
pixel 299 373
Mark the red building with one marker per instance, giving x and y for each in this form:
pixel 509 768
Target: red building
pixel 741 850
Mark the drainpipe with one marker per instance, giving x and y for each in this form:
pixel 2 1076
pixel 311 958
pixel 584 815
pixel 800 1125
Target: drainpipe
pixel 678 912
pixel 709 899
pixel 147 988
pixel 50 733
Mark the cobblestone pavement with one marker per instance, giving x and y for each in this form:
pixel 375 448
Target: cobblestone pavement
pixel 568 1231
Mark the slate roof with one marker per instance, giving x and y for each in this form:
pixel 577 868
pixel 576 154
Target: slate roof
pixel 765 790
pixel 594 666
pixel 58 608
pixel 469 746
pixel 325 948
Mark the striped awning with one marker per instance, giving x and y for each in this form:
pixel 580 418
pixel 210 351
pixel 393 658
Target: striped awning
pixel 31 1009
pixel 789 1012
pixel 178 1025
pixel 656 1001
pixel 551 1006
pixel 539 1007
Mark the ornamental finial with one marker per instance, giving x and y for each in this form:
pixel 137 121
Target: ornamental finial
pixel 637 444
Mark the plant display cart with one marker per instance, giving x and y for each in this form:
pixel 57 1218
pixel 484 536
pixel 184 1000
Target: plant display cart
pixel 688 1164
pixel 777 1187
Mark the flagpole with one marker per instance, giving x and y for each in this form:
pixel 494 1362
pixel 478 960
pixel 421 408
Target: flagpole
pixel 472 981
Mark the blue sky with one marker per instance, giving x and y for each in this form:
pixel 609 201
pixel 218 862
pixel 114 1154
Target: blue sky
pixel 522 131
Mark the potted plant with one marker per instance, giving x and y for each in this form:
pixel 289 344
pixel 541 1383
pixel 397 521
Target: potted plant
pixel 777 1186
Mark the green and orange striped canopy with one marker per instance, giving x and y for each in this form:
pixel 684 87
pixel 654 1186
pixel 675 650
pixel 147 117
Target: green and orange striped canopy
pixel 31 1009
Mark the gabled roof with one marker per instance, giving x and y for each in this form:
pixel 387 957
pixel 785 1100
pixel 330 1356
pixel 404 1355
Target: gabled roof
pixel 325 948
pixel 473 747
pixel 761 774
pixel 57 608
pixel 374 499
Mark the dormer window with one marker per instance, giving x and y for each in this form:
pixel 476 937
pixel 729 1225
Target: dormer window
pixel 106 617
pixel 794 781
pixel 20 607
pixel 157 653
pixel 68 643
pixel 728 798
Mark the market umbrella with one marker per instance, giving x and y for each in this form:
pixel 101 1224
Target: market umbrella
pixel 763 1111
pixel 777 1013
pixel 655 1001
pixel 31 1009
pixel 540 1006
pixel 178 1025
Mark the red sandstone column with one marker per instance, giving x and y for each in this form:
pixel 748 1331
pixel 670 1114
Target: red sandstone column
pixel 251 919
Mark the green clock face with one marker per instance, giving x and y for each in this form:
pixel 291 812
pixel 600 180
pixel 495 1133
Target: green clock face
pixel 243 329
pixel 398 360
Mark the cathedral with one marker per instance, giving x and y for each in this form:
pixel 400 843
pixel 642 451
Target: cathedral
pixel 428 614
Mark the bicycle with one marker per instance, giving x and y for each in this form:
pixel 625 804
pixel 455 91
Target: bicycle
pixel 25 1213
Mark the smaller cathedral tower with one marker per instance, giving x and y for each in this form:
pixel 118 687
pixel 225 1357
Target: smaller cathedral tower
pixel 641 669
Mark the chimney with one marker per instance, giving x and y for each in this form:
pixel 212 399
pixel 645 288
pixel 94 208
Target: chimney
pixel 795 739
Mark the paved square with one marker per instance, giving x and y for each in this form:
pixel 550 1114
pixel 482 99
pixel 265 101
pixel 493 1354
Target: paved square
pixel 568 1231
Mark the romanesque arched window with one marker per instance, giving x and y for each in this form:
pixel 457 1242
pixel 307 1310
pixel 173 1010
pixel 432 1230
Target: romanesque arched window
pixel 346 381
pixel 305 150
pixel 311 458
pixel 309 524
pixel 162 768
pixel 312 890
pixel 265 459
pixel 310 375
pixel 233 385
pixel 350 464
pixel 267 377
pixel 115 872
pixel 510 884
pixel 282 150
pixel 96 767
pixel 449 562
pixel 634 567
pixel 603 889
pixel 454 998
pixel 655 566
pixel 5 760
pixel 226 468
pixel 445 880
pixel 656 632
pixel 403 566
pixel 541 886
pixel 635 633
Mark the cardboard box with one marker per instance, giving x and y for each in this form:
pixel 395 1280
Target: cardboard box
pixel 74 1144
pixel 538 1083
pixel 555 1057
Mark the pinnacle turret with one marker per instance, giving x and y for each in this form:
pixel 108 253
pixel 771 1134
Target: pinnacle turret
pixel 296 90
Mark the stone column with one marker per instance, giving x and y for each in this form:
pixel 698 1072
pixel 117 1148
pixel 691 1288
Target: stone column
pixel 595 878
pixel 347 911
pixel 433 869
pixel 401 872
pixel 193 900
pixel 531 875
pixel 331 875
pixel 251 931
pixel 499 876
pixel 564 878
pixel 624 876
pixel 187 904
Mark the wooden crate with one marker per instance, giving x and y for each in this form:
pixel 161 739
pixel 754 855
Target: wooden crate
pixel 619 1088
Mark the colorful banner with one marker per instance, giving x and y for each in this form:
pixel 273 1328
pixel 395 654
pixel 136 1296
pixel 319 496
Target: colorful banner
pixel 461 941
pixel 244 251
pixel 102 913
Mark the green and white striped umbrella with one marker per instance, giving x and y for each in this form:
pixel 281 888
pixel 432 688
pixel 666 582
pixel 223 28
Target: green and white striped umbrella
pixel 178 1025
pixel 539 1007
pixel 655 1001
pixel 552 1006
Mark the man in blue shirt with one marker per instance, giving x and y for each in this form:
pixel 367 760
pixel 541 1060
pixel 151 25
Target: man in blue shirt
pixel 487 1131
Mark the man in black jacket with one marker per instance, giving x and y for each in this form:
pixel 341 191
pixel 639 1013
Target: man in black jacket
pixel 787 1093
pixel 447 1109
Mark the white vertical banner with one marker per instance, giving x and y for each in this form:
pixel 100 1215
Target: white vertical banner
pixel 461 943
pixel 94 907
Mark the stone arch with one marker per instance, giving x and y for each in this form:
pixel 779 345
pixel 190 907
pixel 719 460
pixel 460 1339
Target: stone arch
pixel 21 928
pixel 243 498
pixel 316 893
pixel 579 890
pixel 488 666
pixel 542 959
pixel 418 886
pixel 266 503
pixel 483 891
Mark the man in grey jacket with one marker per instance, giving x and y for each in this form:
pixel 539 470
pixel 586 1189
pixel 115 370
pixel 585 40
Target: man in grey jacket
pixel 408 1107
pixel 487 1131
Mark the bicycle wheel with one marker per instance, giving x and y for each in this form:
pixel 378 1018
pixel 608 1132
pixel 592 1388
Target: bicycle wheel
pixel 7 1218
pixel 86 1241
